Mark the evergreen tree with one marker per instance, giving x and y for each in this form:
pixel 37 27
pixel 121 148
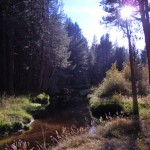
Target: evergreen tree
pixel 104 56
pixel 79 54
pixel 120 57
pixel 33 41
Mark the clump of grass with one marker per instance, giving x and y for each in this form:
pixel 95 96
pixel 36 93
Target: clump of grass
pixel 22 145
pixel 69 137
pixel 102 107
pixel 119 127
pixel 42 99
pixel 14 113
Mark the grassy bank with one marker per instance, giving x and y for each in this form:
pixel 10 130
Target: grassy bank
pixel 15 113
pixel 119 132
pixel 118 104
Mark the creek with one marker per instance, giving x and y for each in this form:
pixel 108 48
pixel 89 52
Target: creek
pixel 44 128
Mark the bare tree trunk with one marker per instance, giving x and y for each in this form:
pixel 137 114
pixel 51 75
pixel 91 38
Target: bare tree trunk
pixel 4 68
pixel 144 10
pixel 10 50
pixel 41 68
pixel 133 81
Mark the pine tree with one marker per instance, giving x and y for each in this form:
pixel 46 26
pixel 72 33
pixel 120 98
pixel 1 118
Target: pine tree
pixel 79 54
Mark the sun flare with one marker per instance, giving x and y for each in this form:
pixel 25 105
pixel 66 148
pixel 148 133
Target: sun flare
pixel 126 12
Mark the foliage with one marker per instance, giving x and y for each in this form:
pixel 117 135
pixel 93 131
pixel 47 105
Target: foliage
pixel 79 53
pixel 142 81
pixel 141 77
pixel 101 57
pixel 104 56
pixel 113 83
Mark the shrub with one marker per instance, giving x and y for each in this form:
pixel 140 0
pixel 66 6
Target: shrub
pixel 126 71
pixel 114 83
pixel 141 78
pixel 142 82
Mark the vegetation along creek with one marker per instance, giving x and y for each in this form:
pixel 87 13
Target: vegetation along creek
pixel 50 122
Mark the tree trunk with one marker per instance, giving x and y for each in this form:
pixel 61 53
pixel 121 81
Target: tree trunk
pixel 41 68
pixel 3 53
pixel 144 10
pixel 10 63
pixel 133 81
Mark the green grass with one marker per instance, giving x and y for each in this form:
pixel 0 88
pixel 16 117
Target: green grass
pixel 42 99
pixel 14 113
pixel 126 103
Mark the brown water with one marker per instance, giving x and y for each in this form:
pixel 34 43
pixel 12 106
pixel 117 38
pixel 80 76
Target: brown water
pixel 42 129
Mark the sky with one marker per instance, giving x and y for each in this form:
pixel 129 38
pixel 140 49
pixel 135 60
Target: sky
pixel 88 14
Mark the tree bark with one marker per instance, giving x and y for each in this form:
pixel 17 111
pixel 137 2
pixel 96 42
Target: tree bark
pixel 144 11
pixel 3 53
pixel 10 88
pixel 41 68
pixel 133 81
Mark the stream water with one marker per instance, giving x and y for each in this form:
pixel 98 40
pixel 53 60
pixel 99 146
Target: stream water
pixel 42 129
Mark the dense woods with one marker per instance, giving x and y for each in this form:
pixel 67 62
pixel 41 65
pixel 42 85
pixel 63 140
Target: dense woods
pixel 42 50
pixel 45 56
pixel 33 42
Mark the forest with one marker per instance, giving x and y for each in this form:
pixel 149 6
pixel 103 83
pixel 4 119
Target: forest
pixel 59 92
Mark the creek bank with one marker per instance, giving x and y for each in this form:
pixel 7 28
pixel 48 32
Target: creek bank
pixel 52 119
pixel 16 114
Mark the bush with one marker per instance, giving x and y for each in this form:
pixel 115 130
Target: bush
pixel 141 78
pixel 142 82
pixel 114 83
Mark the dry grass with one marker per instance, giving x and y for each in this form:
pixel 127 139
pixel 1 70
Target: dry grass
pixel 117 134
